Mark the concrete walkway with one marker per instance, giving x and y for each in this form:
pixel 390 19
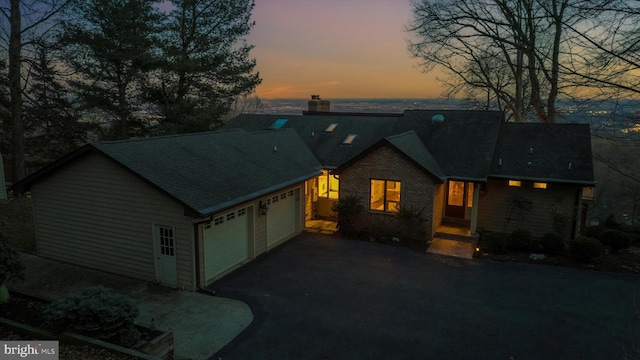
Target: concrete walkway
pixel 201 324
pixel 455 248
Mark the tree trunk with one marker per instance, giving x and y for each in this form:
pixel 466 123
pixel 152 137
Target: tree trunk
pixel 15 90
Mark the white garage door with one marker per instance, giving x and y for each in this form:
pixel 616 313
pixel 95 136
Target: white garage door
pixel 281 217
pixel 226 242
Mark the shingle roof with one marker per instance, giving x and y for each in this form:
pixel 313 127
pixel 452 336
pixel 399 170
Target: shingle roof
pixel 211 171
pixel 410 144
pixel 462 144
pixel 545 152
pixel 327 147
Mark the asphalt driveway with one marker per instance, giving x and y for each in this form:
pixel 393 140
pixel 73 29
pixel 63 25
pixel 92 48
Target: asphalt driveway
pixel 323 297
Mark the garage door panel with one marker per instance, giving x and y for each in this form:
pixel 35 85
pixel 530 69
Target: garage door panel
pixel 226 244
pixel 281 218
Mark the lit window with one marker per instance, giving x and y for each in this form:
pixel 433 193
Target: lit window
pixel 385 195
pixel 516 183
pixel 539 185
pixel 349 139
pixel 331 127
pixel 328 185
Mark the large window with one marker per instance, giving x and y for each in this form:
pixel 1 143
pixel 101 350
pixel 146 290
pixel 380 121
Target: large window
pixel 328 185
pixel 385 195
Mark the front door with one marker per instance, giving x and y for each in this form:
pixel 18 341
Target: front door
pixel 459 199
pixel 166 255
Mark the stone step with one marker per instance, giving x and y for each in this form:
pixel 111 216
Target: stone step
pixel 457 237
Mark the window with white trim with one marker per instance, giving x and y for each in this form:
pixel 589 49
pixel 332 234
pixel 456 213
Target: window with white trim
pixel 167 240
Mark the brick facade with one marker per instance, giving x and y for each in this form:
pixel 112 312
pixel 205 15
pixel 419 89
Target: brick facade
pixel 386 163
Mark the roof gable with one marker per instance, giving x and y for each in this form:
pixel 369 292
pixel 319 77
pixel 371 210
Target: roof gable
pixel 410 144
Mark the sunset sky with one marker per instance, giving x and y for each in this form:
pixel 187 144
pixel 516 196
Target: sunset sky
pixel 338 49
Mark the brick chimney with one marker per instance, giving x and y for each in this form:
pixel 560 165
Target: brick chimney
pixel 318 105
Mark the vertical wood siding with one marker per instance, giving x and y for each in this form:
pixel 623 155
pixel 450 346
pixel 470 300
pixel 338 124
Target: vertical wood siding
pixel 95 214
pixel 497 211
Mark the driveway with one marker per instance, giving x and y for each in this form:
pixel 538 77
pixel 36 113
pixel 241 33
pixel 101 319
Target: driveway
pixel 323 297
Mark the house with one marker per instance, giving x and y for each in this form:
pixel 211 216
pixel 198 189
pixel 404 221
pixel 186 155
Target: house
pixel 186 210
pixel 467 170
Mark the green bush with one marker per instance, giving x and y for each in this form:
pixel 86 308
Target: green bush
pixel 96 312
pixel 552 244
pixel 520 240
pixel 615 239
pixel 595 231
pixel 11 265
pixel 585 248
pixel 495 242
pixel 612 223
pixel 347 207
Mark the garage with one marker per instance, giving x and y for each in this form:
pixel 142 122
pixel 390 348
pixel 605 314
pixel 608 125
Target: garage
pixel 281 218
pixel 226 242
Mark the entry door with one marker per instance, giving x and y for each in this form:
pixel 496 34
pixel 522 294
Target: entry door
pixel 459 199
pixel 166 255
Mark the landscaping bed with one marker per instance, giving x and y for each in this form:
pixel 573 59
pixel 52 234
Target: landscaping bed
pixel 22 319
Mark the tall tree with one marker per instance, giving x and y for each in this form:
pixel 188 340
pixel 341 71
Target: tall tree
pixel 110 45
pixel 207 63
pixel 40 16
pixel 18 168
pixel 53 125
pixel 480 41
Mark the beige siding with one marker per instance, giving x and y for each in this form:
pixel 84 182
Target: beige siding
pixel 499 212
pixel 94 213
pixel 385 163
pixel 438 206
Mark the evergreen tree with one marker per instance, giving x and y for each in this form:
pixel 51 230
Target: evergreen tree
pixel 52 125
pixel 206 63
pixel 110 44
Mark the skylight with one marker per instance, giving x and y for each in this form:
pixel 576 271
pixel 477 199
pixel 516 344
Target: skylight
pixel 349 139
pixel 278 124
pixel 331 127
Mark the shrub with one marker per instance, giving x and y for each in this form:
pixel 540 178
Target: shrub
pixel 552 244
pixel 495 242
pixel 347 208
pixel 96 312
pixel 11 265
pixel 615 239
pixel 520 240
pixel 595 231
pixel 585 248
pixel 612 223
pixel 410 223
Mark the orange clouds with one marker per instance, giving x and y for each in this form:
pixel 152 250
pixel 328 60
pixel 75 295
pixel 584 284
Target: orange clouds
pixel 338 49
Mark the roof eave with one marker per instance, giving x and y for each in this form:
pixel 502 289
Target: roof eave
pixel 252 196
pixel 542 179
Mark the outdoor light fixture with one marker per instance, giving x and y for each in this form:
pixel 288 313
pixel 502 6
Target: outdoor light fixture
pixel 263 208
